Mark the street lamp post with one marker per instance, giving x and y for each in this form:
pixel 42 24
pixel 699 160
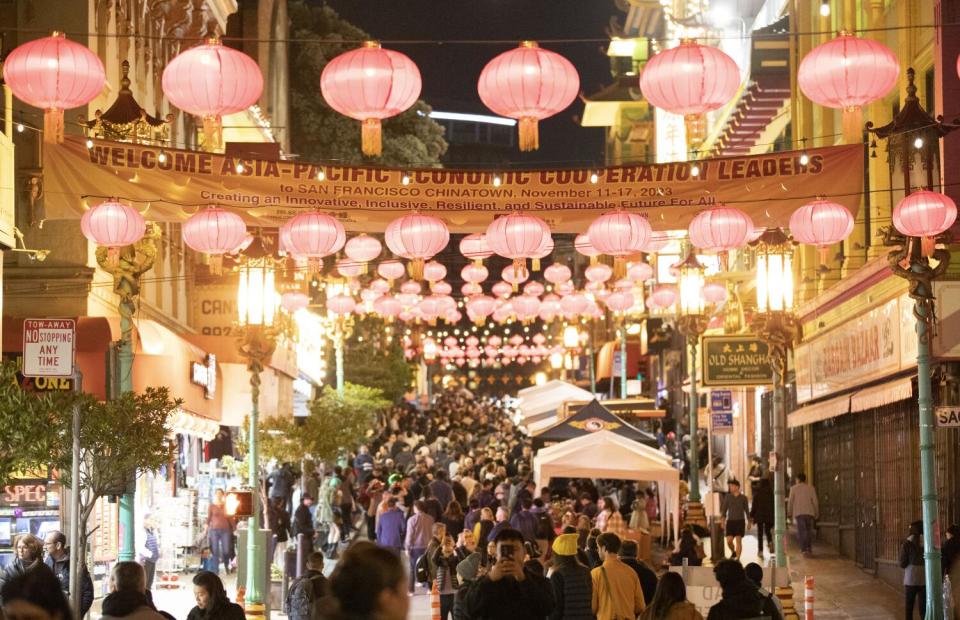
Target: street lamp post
pixel 913 155
pixel 135 260
pixel 780 329
pixel 257 303
pixel 692 323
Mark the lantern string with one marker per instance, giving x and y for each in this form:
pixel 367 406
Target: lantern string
pixel 482 42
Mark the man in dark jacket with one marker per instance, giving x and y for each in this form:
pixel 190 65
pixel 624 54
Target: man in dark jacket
pixel 508 591
pixel 128 595
pixel 761 512
pixel 58 559
pixel 392 527
pixel 303 520
pixel 307 590
pixel 648 578
pixel 441 489
pixel 525 521
pixel 740 597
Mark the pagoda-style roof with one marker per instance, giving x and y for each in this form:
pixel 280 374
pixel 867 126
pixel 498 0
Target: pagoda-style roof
pixel 126 119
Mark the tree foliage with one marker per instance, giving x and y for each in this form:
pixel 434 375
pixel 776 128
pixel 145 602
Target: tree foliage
pixel 29 425
pixel 334 423
pixel 373 360
pixel 321 134
pixel 117 439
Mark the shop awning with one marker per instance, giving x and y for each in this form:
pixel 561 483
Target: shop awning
pixel 872 397
pixel 590 419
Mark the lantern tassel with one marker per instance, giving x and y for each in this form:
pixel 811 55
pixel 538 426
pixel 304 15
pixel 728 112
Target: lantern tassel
pixel 824 254
pixel 416 269
pixel 53 126
pixel 696 128
pixel 212 133
pixel 619 268
pixel 927 246
pixel 371 143
pixel 535 264
pixel 852 125
pixel 529 134
pixel 216 264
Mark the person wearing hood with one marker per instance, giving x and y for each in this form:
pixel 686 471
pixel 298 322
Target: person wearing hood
pixel 212 601
pixel 128 595
pixel 740 597
pixel 28 551
pixel 468 571
pixel 35 594
pixel 58 559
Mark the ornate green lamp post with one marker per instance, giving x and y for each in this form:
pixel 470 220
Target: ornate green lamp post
pixel 257 310
pixel 692 322
pixel 777 325
pixel 913 154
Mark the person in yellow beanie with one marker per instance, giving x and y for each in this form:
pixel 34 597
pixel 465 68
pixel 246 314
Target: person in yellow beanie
pixel 572 586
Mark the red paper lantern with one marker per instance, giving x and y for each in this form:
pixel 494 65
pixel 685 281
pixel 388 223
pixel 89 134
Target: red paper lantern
pixel 529 84
pixel 475 248
pixel 391 269
pixel 720 229
pixel 474 273
pixel 363 249
pixel 821 223
pixel 846 74
pixel 690 79
pixel 211 81
pixel 517 236
pixel 113 225
pixel 417 237
pixel 54 74
pixel 313 236
pixel 925 214
pixel 370 84
pixel 216 232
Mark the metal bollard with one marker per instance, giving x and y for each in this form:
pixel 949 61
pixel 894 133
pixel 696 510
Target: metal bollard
pixel 808 598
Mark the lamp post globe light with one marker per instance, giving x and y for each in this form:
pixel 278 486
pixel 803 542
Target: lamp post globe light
pixel 257 309
pixel 692 322
pixel 780 329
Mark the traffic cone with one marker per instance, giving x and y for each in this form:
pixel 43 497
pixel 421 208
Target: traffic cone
pixel 435 601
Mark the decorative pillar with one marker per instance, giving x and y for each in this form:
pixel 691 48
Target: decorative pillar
pixel 134 261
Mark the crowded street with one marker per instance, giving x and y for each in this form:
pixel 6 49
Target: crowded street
pixel 543 309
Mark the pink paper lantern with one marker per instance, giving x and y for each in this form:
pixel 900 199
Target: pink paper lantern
pixel 549 308
pixel 417 237
pixel 573 304
pixel 341 304
pixel 411 287
pixel 546 249
pixel 564 288
pixel 846 74
pixel 391 269
pixel 292 301
pixel 474 273
pixel 517 236
pixel 556 273
pixel 821 223
pixel 598 273
pixel 583 245
pixel 434 271
pixel 619 233
pixel 620 301
pixel 639 272
pixel 214 231
pixel 441 288
pixel 370 84
pixel 529 84
pixel 471 288
pixel 475 248
pixel 925 214
pixel 113 225
pixel 690 79
pixel 349 269
pixel 380 285
pixel 211 80
pixel 363 249
pixel 534 289
pixel 313 236
pixel 514 276
pixel 714 293
pixel 54 74
pixel 526 307
pixel 663 296
pixel 502 289
pixel 480 307
pixel 656 243
pixel 720 229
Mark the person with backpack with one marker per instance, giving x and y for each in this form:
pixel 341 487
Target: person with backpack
pixel 739 596
pixel 305 592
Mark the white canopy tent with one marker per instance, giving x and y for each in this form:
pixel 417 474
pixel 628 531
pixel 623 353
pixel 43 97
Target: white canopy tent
pixel 541 403
pixel 605 454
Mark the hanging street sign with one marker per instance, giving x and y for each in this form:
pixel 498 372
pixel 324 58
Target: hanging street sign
pixel 735 361
pixel 48 347
pixel 721 411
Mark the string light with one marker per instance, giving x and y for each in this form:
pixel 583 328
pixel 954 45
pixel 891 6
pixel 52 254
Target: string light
pixel 695 170
pixel 239 167
pixel 825 8
pixel 20 127
pixel 321 175
pixel 162 157
pixel 405 179
pixel 497 181
pixel 594 177
pixel 89 143
pixel 918 143
pixel 804 158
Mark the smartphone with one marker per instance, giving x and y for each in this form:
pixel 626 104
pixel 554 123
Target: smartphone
pixel 506 552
